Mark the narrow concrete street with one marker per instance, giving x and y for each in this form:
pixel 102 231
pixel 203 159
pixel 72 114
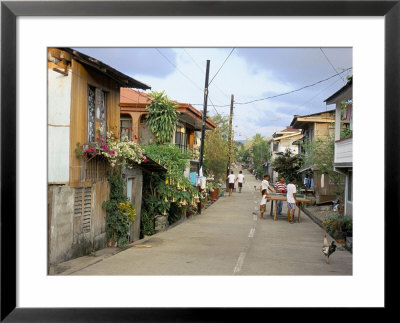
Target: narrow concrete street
pixel 229 238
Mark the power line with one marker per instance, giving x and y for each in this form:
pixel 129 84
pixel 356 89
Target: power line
pixel 321 92
pixel 194 61
pixel 286 93
pixel 214 107
pixel 221 66
pixel 200 89
pixel 188 78
pixel 331 64
pixel 203 71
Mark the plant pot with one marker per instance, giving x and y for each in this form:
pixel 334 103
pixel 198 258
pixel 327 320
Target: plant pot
pixel 214 195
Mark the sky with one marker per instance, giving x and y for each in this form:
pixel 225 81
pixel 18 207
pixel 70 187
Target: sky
pixel 250 74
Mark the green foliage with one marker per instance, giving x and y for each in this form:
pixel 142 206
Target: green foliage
pixel 260 150
pixel 146 221
pixel 287 165
pixel 119 211
pixel 223 125
pixel 162 116
pixel 170 156
pixel 166 193
pixel 256 152
pixel 215 153
pixel 319 154
pixel 346 133
pixel 335 223
pixel 260 171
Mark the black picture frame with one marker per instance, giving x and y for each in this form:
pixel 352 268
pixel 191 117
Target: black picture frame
pixel 10 10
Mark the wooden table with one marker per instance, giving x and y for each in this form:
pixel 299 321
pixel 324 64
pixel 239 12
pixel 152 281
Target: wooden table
pixel 277 198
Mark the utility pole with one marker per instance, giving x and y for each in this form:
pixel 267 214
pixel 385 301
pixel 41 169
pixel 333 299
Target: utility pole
pixel 229 142
pixel 203 126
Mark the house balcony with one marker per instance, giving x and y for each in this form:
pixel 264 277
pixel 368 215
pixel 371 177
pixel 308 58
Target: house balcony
pixel 344 153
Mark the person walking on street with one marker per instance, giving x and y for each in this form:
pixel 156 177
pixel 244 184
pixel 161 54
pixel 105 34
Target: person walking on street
pixel 280 187
pixel 231 178
pixel 265 185
pixel 291 200
pixel 240 180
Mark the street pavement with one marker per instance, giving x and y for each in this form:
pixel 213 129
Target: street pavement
pixel 229 238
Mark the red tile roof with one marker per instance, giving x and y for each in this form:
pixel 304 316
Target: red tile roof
pixel 137 99
pixel 289 129
pixel 132 96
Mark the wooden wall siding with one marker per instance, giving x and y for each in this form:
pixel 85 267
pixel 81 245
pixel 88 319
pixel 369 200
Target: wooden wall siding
pixel 89 216
pixel 82 77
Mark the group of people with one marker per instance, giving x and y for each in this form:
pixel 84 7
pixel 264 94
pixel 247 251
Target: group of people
pixel 279 187
pixel 232 179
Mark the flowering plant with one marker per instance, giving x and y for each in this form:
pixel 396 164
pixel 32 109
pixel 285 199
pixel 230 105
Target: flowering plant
pixel 85 151
pixel 128 210
pixel 123 151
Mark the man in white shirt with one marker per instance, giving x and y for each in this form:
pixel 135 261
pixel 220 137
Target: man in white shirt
pixel 265 185
pixel 231 177
pixel 291 200
pixel 240 180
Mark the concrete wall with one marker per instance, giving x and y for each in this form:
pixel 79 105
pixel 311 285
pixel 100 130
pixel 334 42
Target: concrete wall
pixel 67 237
pixel 61 213
pixel 59 102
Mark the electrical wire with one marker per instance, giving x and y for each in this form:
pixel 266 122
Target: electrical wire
pixel 203 72
pixel 214 107
pixel 221 66
pixel 286 93
pixel 188 78
pixel 332 65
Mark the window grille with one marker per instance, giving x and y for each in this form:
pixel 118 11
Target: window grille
pixel 95 170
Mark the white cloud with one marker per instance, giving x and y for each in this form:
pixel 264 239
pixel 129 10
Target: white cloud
pixel 237 77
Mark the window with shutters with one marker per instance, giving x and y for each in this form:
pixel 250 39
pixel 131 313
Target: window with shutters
pixel 83 206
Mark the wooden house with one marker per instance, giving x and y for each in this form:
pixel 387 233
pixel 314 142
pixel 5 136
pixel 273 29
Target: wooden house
pixel 280 142
pixel 83 103
pixel 316 126
pixel 187 132
pixel 343 157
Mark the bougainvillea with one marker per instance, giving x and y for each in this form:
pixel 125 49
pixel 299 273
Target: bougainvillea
pixel 117 151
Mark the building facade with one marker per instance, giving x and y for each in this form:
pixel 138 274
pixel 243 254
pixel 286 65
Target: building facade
pixel 83 103
pixel 343 158
pixel 316 128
